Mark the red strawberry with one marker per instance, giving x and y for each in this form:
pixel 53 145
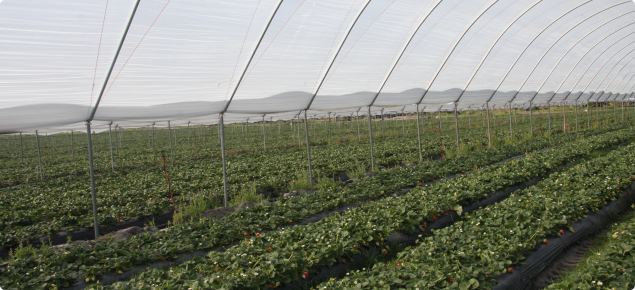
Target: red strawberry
pixel 384 251
pixel 433 180
pixel 463 171
pixel 247 234
pixel 257 234
pixel 511 270
pixel 451 280
pixel 305 274
pixel 398 264
pixel 434 218
pixel 270 248
pixel 546 241
pixel 420 184
pixel 561 232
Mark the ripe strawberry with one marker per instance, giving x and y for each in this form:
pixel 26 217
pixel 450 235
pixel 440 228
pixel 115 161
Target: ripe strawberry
pixel 561 232
pixel 451 280
pixel 420 184
pixel 270 248
pixel 305 275
pixel 434 218
pixel 247 234
pixel 433 180
pixel 257 234
pixel 511 271
pixel 398 264
pixel 463 171
pixel 384 251
pixel 546 241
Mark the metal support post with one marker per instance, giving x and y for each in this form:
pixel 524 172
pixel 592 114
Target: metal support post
pixel 549 116
pixel 170 136
pixel 564 116
pixel 489 134
pixel 222 149
pixel 308 148
pixel 440 134
pixel 370 131
pixel 588 115
pixel 112 157
pixel 403 123
pixel 299 140
pixel 576 115
pixel 531 119
pixel 456 128
pixel 359 138
pixel 152 135
pixel 264 133
pixel 72 148
pixel 329 127
pixel 382 124
pixel 22 155
pixel 92 179
pixel 511 130
pixel 419 136
pixel 188 133
pixel 39 154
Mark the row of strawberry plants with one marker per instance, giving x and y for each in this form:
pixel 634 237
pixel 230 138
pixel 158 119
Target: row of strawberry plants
pixel 279 256
pixel 610 264
pixel 487 242
pixel 205 234
pixel 139 192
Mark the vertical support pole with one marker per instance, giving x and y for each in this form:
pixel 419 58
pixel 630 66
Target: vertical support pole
pixel 188 133
pixel 489 133
pixel 622 110
pixel 299 140
pixel 112 157
pixel 308 148
pixel 511 129
pixel 72 148
pixel 419 136
pixel 403 123
pixel 382 124
pixel 92 179
pixel 576 115
pixel 22 155
pixel 264 133
pixel 359 138
pixel 531 118
pixel 456 128
pixel 152 135
pixel 222 149
pixel 588 115
pixel 370 131
pixel 170 136
pixel 329 127
pixel 440 134
pixel 615 111
pixel 597 112
pixel 39 154
pixel 549 116
pixel 564 116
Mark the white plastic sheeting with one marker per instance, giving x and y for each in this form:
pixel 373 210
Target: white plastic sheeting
pixel 182 59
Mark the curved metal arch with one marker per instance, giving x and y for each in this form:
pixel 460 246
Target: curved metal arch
pixel 596 73
pixel 596 58
pixel 619 93
pixel 609 84
pixel 383 83
pixel 553 44
pixel 492 47
pixel 569 50
pixel 436 74
pixel 336 54
pixel 528 45
pixel 626 84
pixel 253 53
pixel 602 67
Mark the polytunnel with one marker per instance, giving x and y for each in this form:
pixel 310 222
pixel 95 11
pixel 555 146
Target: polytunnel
pixel 69 64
